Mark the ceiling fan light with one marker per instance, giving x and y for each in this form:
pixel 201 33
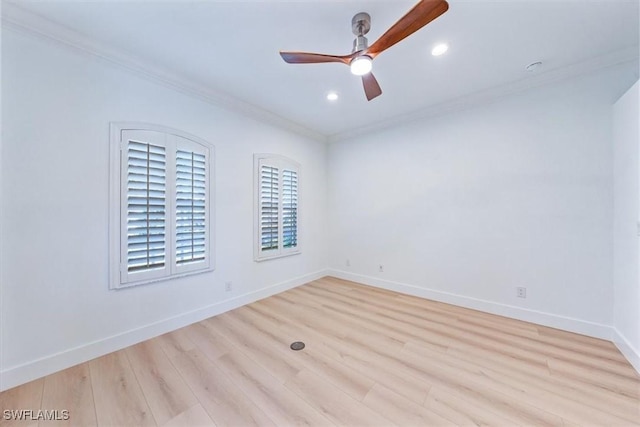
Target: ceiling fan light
pixel 361 65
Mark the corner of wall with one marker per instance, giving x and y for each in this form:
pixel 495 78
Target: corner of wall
pixel 626 247
pixel 632 354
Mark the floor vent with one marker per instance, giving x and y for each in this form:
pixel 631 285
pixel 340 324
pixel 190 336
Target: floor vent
pixel 298 345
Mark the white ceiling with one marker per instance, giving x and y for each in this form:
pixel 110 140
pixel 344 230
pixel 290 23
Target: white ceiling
pixel 231 48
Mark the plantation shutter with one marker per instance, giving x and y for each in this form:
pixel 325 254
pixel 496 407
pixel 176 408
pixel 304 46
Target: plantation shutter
pixel 269 208
pixel 277 208
pixel 289 208
pixel 191 199
pixel 146 207
pixel 164 203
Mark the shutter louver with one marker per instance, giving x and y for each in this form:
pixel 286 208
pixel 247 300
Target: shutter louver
pixel 269 205
pixel 191 190
pixel 289 209
pixel 146 206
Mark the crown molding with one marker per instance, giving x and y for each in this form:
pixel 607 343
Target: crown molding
pixel 492 94
pixel 21 20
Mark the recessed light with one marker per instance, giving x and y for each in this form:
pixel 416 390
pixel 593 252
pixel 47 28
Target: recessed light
pixel 439 49
pixel 332 96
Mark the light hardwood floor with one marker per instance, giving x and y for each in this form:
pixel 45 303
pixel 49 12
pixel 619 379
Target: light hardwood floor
pixel 372 357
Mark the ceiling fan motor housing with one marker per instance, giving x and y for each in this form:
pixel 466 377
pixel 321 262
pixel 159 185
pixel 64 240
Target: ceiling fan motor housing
pixel 360 43
pixel 360 25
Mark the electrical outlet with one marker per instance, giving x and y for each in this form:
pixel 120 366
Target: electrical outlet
pixel 348 263
pixel 381 268
pixel 228 286
pixel 521 292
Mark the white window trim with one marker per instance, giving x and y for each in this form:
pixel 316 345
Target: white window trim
pixel 115 207
pixel 280 162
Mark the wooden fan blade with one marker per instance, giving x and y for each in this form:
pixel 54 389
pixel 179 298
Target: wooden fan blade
pixel 313 58
pixel 371 86
pixel 421 14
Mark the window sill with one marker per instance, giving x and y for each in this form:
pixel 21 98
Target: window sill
pixel 268 258
pixel 121 286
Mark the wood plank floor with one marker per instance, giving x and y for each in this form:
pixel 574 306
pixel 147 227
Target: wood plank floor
pixel 372 358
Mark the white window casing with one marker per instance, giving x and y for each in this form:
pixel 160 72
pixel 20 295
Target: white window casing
pixel 161 191
pixel 276 206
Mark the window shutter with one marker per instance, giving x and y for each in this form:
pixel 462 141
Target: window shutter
pixel 276 206
pixel 289 209
pixel 160 224
pixel 269 206
pixel 191 200
pixel 146 206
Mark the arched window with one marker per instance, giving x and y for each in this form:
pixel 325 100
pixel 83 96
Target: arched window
pixel 161 223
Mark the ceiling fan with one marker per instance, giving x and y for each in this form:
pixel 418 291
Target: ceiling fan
pixel 362 55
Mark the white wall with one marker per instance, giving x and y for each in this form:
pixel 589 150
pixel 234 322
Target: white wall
pixel 465 207
pixel 626 308
pixel 57 307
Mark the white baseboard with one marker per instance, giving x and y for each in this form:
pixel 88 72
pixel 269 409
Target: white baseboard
pixel 632 354
pixel 541 318
pixel 35 369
